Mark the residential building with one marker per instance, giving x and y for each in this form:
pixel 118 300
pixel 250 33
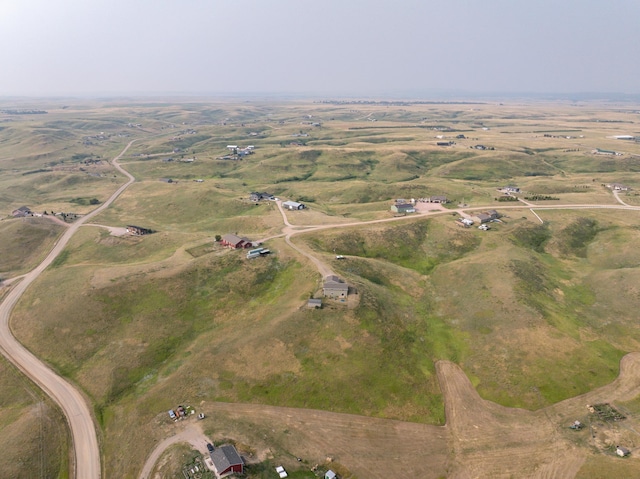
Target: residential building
pixel 256 196
pixel 622 451
pixel 438 199
pixel 335 288
pixel 403 208
pixel 226 461
pixel 236 242
pixel 21 212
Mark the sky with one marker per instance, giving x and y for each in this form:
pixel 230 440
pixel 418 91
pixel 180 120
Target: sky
pixel 356 48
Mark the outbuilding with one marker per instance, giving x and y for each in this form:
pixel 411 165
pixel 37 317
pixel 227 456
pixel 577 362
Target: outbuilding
pixel 314 303
pixel 292 205
pixel 622 451
pixel 330 475
pixel 226 461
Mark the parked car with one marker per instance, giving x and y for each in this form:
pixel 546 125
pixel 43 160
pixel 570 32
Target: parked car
pixel 210 447
pixel 172 414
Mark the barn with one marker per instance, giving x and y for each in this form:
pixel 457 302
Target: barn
pixel 226 461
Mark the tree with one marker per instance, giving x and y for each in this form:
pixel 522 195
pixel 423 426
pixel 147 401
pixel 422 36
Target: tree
pixel 218 238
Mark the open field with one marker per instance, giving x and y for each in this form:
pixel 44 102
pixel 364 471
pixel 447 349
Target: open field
pixel 533 314
pixel 33 436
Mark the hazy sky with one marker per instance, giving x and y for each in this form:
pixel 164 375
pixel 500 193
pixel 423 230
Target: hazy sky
pixel 327 47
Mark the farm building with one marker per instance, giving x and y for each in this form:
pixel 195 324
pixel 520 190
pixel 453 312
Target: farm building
pixel 314 303
pixel 21 212
pixel 236 242
pixel 226 461
pixel 335 288
pixel 138 230
pixel 292 205
pixel 622 451
pixel 403 208
pixel 438 199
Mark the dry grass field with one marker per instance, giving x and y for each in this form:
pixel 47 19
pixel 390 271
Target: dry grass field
pixel 466 353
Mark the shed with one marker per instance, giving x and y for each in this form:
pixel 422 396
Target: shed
pixel 330 475
pixel 622 451
pixel 292 205
pixel 226 461
pixel 314 303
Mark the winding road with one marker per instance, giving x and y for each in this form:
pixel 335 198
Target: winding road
pixel 68 397
pixel 76 409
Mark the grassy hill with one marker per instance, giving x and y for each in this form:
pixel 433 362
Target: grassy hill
pixel 533 313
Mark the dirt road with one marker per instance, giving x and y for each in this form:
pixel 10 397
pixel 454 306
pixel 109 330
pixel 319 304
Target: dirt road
pixel 192 434
pixel 70 400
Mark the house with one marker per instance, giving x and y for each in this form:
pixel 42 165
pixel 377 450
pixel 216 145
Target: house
pixel 618 187
pixel 292 205
pixel 622 451
pixel 335 288
pixel 493 213
pixel 314 303
pixel 330 475
pixel 510 189
pixel 403 208
pixel 444 143
pixel 21 212
pixel 483 218
pixel 466 222
pixel 438 199
pixel 235 242
pixel 256 196
pixel 138 230
pixel 600 151
pixel 226 461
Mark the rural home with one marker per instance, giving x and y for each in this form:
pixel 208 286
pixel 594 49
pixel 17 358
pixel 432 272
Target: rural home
pixel 335 288
pixel 292 205
pixel 482 218
pixel 236 242
pixel 138 230
pixel 618 187
pixel 226 461
pixel 21 212
pixel 509 189
pixel 403 208
pixel 256 196
pixel 438 199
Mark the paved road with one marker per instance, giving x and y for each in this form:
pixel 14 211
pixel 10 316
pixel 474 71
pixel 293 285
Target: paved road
pixel 70 400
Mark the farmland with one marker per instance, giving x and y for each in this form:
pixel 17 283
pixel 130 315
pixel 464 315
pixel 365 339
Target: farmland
pixel 530 315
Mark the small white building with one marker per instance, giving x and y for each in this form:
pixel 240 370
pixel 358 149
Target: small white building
pixel 330 475
pixel 292 205
pixel 622 451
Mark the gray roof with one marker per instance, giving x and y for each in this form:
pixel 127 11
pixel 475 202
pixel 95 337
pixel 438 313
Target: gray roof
pixel 315 301
pixel 333 282
pixel 224 457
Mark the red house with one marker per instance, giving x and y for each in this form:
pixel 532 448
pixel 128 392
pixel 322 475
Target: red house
pixel 226 461
pixel 233 241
